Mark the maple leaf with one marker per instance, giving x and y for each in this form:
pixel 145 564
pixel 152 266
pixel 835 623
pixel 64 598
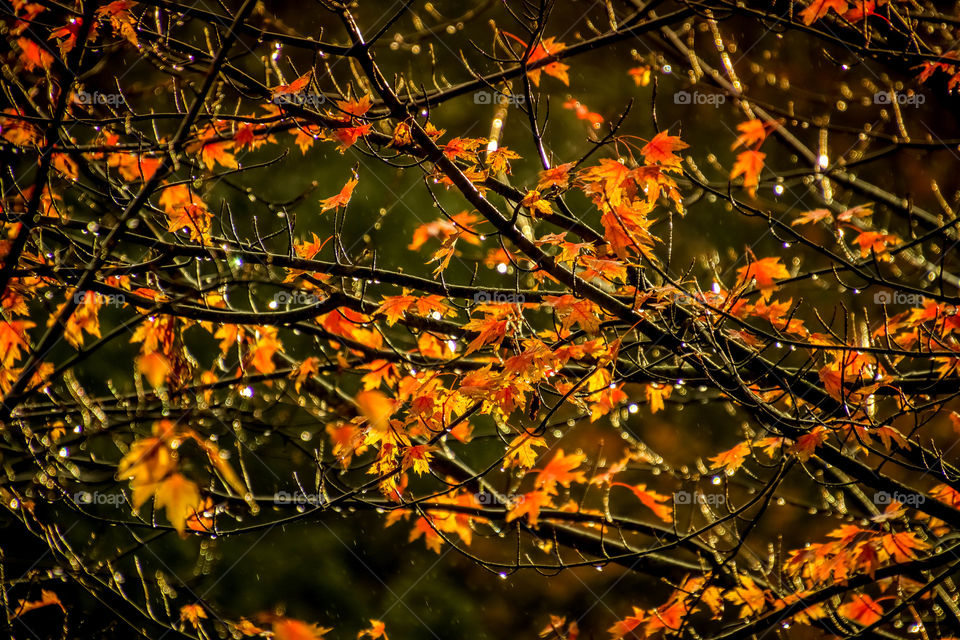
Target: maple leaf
pixel 583 113
pixel 121 20
pixel 628 625
pixel 498 160
pixel 380 371
pixel 294 87
pixel 490 329
pixel 902 546
pixel 376 407
pixel 812 216
pixel 610 174
pixel 181 499
pixel 529 504
pixel 764 273
pixel 748 594
pixel 192 613
pixel 290 629
pixel 560 470
pixel 34 55
pixel 558 176
pixel 640 75
pixel 348 136
pixel 219 462
pixel 521 452
pixel 572 310
pixel 535 203
pixel 341 199
pixel 875 242
pixel 868 557
pixel 13 337
pixel 650 499
pixel 731 460
pixel 418 457
pixel 863 609
pixel 463 147
pixel 47 598
pixel 155 367
pixel 394 307
pixel 265 345
pixel 859 211
pixel 819 8
pixel 656 393
pixel 308 250
pixel 544 49
pixel 751 132
pixel 377 630
pixel 749 164
pixel 460 225
pixel 660 150
pixel 806 445
pixel 863 9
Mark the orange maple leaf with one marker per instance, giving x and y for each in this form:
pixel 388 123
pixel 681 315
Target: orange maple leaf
pixel 529 504
pixel 749 164
pixel 660 150
pixel 751 132
pixel 812 216
pixel 731 460
pixel 341 199
pixel 558 176
pixel 656 393
pixel 47 598
pixel 819 8
pixel 560 470
pixel 290 629
pixel 863 609
pixel 34 55
pixel 294 87
pixel 650 499
pixel 544 49
pixel 376 407
pixel 627 625
pixel 764 272
pixel 377 630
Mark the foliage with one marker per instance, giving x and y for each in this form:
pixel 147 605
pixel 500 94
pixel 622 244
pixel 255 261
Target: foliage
pixel 663 289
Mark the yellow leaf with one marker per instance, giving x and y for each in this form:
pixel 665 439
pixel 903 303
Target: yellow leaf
pixel 181 499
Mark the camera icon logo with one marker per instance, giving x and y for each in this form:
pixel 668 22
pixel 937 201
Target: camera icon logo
pixel 682 97
pixel 485 498
pixel 482 97
pixel 882 297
